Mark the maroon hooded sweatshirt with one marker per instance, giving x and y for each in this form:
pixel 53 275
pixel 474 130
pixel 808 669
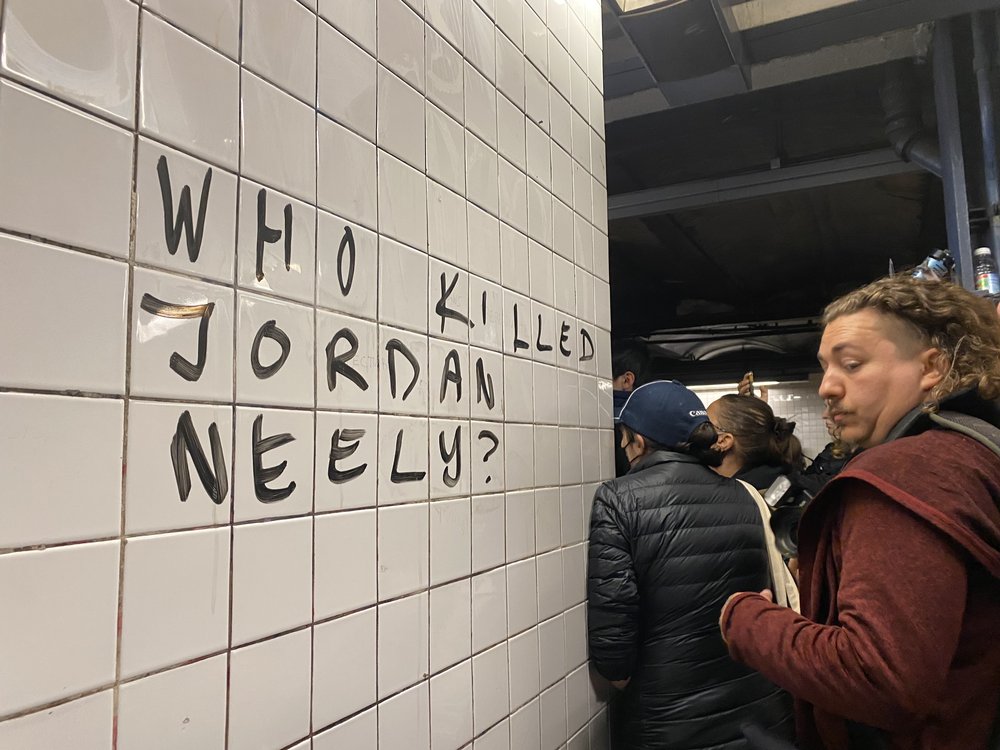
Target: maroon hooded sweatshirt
pixel 900 625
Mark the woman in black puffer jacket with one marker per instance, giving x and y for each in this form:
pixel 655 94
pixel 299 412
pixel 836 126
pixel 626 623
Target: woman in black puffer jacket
pixel 669 542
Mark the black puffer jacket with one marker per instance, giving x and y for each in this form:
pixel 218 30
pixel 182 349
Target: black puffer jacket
pixel 669 542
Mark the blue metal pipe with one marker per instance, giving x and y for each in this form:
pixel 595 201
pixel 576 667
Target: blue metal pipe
pixel 982 63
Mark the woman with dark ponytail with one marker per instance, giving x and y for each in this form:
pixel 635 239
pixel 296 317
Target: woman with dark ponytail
pixel 756 446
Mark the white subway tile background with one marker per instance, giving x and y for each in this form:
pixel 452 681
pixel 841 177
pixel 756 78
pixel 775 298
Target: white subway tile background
pixel 305 387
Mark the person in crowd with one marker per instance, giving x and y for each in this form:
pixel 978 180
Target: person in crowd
pixel 899 555
pixel 668 543
pixel 756 446
pixel 629 368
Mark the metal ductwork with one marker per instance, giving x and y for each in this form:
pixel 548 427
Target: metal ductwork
pixel 904 125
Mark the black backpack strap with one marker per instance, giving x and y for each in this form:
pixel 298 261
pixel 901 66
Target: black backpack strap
pixel 979 430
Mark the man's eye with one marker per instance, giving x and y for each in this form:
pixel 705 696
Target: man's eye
pixel 851 366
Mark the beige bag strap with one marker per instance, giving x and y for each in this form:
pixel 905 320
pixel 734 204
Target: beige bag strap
pixel 786 592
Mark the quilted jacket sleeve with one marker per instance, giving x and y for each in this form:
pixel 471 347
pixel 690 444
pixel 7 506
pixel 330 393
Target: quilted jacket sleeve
pixel 612 592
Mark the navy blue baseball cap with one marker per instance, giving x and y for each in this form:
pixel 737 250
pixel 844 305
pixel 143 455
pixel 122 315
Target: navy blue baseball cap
pixel 664 411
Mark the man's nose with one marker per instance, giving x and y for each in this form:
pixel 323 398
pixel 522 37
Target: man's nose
pixel 830 386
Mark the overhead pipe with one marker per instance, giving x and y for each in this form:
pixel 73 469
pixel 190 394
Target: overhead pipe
pixel 982 63
pixel 904 125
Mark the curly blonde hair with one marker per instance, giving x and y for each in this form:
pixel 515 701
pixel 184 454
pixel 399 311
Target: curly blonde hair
pixel 964 327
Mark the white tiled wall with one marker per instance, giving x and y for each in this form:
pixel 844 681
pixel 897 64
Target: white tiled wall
pixel 304 386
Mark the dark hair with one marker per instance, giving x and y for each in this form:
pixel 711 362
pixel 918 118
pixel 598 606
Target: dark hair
pixel 698 445
pixel 761 438
pixel 630 356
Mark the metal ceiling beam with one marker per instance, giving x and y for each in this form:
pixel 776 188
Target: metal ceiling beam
pixel 661 200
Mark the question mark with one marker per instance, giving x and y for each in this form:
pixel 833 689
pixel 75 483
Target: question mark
pixel 496 444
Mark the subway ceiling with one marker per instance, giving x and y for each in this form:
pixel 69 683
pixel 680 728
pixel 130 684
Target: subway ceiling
pixel 750 177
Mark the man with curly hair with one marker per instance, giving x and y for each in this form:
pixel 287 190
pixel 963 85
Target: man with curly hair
pixel 898 644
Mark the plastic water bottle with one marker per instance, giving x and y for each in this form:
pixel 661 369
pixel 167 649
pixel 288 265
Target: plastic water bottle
pixel 936 266
pixel 987 279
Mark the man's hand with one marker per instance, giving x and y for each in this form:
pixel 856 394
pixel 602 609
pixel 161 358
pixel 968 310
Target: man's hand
pixel 766 593
pixel 745 387
pixel 620 684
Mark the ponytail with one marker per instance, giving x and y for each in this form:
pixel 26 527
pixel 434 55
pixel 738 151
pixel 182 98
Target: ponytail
pixel 760 438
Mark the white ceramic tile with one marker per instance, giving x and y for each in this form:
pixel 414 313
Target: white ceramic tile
pixel 514 250
pixel 276 251
pixel 480 40
pixel 450 536
pixel 513 201
pixel 575 623
pixel 561 116
pixel 447 18
pixel 402 644
pixel 341 648
pixel 347 267
pixel 525 728
pixel 403 373
pixel 589 405
pixel 275 349
pixel 519 456
pixel 575 574
pixel 600 247
pixel 451 451
pixel 402 295
pixel 451 624
pixel 404 720
pixel 403 536
pixel 581 140
pixel 61 169
pixel 175 599
pixel 40 52
pixel 274 470
pixel 162 492
pixel 546 393
pixel 481 174
pixel 564 279
pixel 522 596
pixel 185 213
pixel 599 736
pixel 498 736
pixel 488 375
pixel 546 340
pixel 562 174
pixel 490 687
pixel 343 153
pixel 580 89
pixel 402 196
pixel 445 151
pixel 540 7
pixel 278 132
pixel 451 708
pixel 538 148
pixel 357 733
pixel 348 352
pixel 552 705
pixel 346 476
pixel 489 607
pixel 488 519
pixel 536 41
pixel 569 397
pixel 272 578
pixel 571 502
pixel 600 203
pixel 546 455
pixel 590 448
pixel 523 652
pixel 536 97
pixel 188 94
pixel 450 379
pixel 484 261
pixel 583 198
pixel 550 581
pixel 269 692
pixel 345 565
pixel 565 330
pixel 87 720
pixel 61 610
pixel 275 32
pixel 540 219
pixel 583 236
pixel 445 79
pixel 510 127
pixel 488 470
pixel 401 41
pixel 74 486
pixel 557 19
pixel 577 699
pixel 547 519
pixel 572 459
pixel 356 19
pixel 598 157
pixel 520 525
pixel 182 338
pixel 606 441
pixel 561 76
pixel 347 81
pixel 400 119
pixel 602 353
pixel 510 69
pixel 448 236
pixel 518 396
pixel 403 466
pixel 517 323
pixel 480 106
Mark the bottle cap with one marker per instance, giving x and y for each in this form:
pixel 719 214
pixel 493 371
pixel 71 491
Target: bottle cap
pixel 983 251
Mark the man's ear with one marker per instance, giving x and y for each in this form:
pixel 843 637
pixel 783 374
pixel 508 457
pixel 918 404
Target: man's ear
pixel 935 366
pixel 628 380
pixel 640 444
pixel 724 443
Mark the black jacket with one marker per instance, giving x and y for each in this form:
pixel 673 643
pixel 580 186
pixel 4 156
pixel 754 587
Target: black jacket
pixel 669 542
